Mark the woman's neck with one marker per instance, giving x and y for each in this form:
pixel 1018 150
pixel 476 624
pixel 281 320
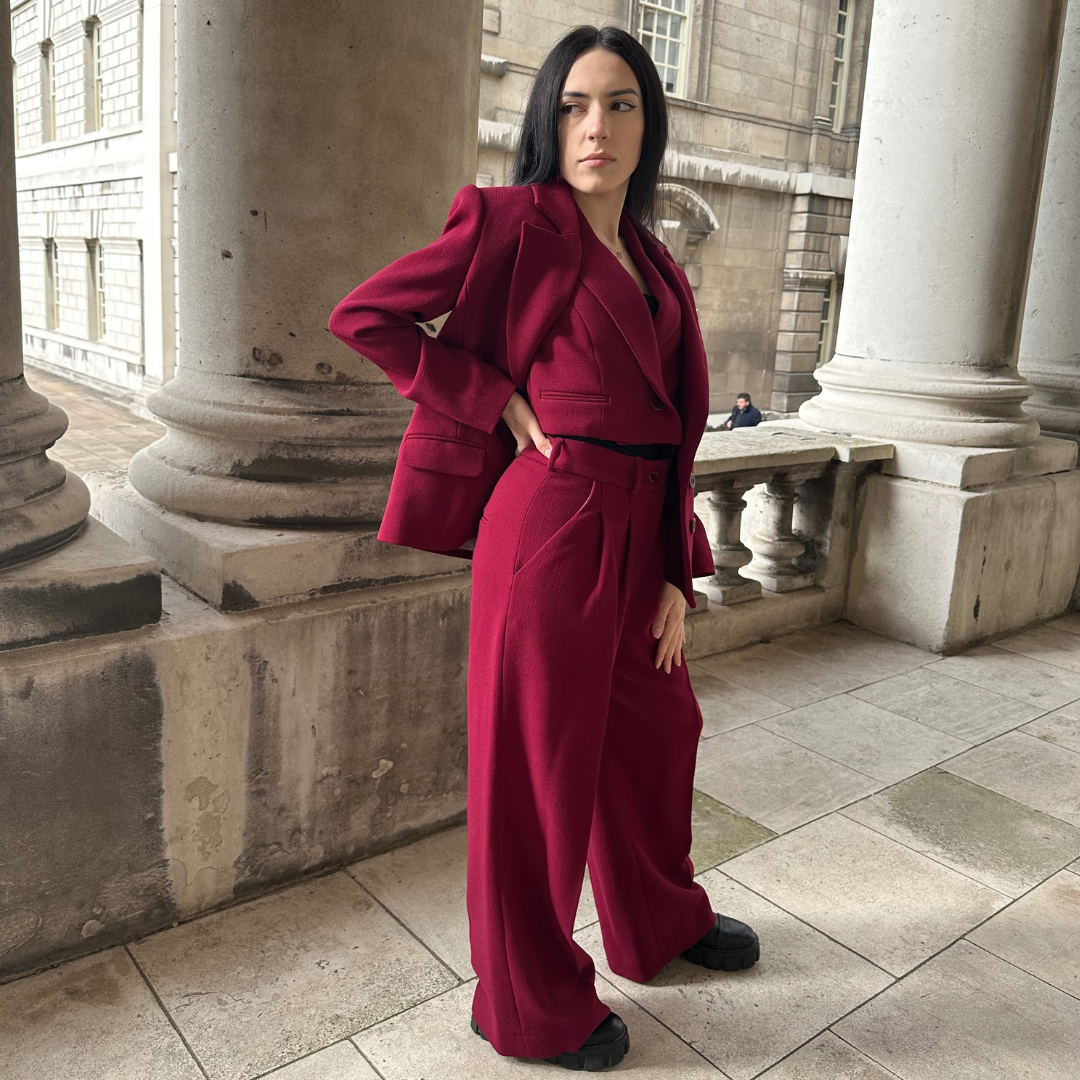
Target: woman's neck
pixel 603 211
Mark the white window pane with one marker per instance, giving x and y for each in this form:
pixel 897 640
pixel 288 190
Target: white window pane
pixel 648 19
pixel 673 53
pixel 661 23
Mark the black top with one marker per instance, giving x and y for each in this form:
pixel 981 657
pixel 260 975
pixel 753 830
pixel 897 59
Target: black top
pixel 654 304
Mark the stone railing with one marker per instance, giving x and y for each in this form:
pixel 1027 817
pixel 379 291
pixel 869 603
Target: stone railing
pixel 778 501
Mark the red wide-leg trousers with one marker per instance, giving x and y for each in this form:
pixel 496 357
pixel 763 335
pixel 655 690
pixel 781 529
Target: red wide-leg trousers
pixel 579 748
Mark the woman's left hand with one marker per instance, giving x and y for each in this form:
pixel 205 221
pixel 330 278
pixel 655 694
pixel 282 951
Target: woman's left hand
pixel 669 627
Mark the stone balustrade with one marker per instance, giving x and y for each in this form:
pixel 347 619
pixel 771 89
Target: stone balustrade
pixel 778 502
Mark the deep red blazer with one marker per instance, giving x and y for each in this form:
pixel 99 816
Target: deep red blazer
pixel 505 267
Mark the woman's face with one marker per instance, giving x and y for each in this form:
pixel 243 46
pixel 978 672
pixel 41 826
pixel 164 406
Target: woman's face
pixel 601 123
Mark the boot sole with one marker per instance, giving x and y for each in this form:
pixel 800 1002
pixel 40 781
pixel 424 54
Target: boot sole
pixel 592 1060
pixel 723 960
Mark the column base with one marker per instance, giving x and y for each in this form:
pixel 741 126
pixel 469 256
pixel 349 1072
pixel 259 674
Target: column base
pixel 726 595
pixel 956 546
pixel 239 567
pixel 780 583
pixel 96 583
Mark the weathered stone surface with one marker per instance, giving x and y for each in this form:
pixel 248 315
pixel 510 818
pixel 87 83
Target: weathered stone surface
pixel 984 835
pixel 96 583
pixel 889 904
pixel 827 1058
pixel 725 704
pixel 1043 686
pixel 966 1015
pixel 720 833
pixel 236 567
pixel 256 987
pixel 1061 728
pixel 341 1061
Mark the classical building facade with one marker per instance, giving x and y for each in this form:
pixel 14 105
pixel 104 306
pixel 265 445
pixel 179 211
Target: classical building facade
pixel 95 123
pixel 765 102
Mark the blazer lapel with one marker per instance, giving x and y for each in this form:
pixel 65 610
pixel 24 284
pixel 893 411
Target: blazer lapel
pixel 545 272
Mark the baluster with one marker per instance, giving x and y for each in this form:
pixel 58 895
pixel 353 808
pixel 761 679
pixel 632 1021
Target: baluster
pixel 728 551
pixel 776 547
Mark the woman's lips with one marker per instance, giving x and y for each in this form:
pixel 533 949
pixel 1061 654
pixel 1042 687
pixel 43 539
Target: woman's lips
pixel 596 162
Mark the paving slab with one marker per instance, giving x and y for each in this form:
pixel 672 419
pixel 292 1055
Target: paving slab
pixel 259 985
pixel 866 738
pixel 1012 675
pixel 888 903
pixel 1040 933
pixel 720 833
pixel 423 884
pixel 939 701
pixel 982 834
pixel 864 655
pixel 725 704
pixel 449 1049
pixel 1061 727
pixel 746 1021
pixel 1030 770
pixel 774 781
pixel 967 1015
pixel 93 1019
pixel 342 1061
pixel 827 1058
pixel 1050 644
pixel 781 674
pixel 1070 622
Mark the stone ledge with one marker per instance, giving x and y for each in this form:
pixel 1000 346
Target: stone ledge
pixel 239 567
pixel 966 467
pixel 96 583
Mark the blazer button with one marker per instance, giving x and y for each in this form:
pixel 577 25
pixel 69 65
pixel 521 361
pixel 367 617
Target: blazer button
pixel 693 524
pixel 657 404
pixel 693 481
pixel 653 477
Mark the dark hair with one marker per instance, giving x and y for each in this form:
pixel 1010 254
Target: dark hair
pixel 744 394
pixel 537 157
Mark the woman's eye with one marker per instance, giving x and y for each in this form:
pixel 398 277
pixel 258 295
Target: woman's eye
pixel 568 106
pixel 629 105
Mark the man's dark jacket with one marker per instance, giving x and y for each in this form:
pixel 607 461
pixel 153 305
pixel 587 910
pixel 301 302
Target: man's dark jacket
pixel 750 417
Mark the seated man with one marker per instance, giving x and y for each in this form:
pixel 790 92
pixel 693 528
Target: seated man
pixel 744 414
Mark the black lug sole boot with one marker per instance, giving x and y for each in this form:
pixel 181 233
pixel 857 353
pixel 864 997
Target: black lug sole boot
pixel 729 945
pixel 606 1046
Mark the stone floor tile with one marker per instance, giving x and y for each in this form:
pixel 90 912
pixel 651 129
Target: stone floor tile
pixel 864 655
pixel 726 705
pixel 966 1015
pixel 91 1019
pixel 450 1050
pixel 1030 770
pixel 940 701
pixel 1013 675
pixel 773 781
pixel 865 738
pixel 780 674
pixel 256 986
pixel 1061 727
pixel 1050 644
pixel 827 1058
pixel 1070 622
pixel 342 1061
pixel 423 884
pixel 1040 933
pixel 746 1021
pixel 974 830
pixel 720 833
pixel 886 902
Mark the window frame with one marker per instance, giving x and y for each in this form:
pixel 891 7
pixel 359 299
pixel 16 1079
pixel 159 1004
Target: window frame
pixel 95 291
pixel 93 75
pixel 48 92
pixel 830 311
pixel 683 76
pixel 52 284
pixel 845 13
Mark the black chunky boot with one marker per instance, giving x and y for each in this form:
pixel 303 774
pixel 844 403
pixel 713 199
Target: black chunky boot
pixel 605 1047
pixel 729 945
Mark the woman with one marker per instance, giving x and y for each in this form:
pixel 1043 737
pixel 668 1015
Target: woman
pixel 558 411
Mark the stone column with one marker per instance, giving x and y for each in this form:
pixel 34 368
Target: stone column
pixel 1050 343
pixel 317 142
pixel 41 503
pixel 956 116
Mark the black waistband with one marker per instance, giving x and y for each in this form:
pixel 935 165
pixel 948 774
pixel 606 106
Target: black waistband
pixel 655 451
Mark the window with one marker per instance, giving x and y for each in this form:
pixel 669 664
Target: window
pixel 664 30
pixel 92 74
pixel 52 285
pixel 840 64
pixel 15 98
pixel 830 309
pixel 95 299
pixel 48 93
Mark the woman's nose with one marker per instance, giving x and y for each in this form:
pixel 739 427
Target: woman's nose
pixel 597 127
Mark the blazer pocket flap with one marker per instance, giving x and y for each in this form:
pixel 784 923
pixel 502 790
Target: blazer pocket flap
pixel 442 455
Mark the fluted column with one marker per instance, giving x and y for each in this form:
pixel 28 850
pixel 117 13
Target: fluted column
pixel 41 503
pixel 1050 342
pixel 953 137
pixel 317 142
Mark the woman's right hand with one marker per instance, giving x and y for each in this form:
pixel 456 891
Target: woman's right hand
pixel 522 422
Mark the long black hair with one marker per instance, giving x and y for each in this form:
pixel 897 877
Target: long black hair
pixel 537 157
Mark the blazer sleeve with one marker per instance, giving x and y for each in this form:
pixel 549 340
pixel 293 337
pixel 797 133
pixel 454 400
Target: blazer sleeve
pixel 379 319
